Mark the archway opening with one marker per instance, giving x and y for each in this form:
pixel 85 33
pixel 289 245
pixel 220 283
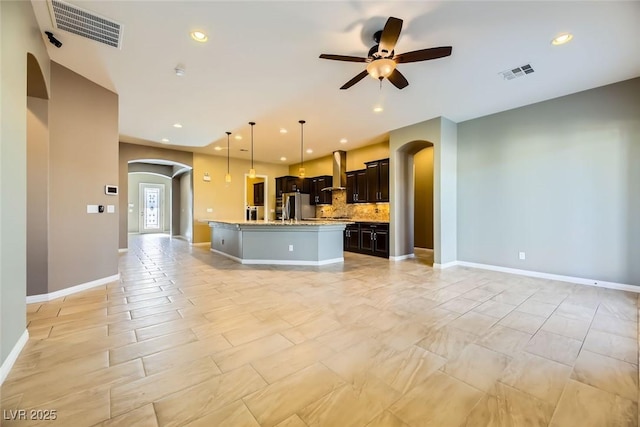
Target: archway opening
pixel 160 198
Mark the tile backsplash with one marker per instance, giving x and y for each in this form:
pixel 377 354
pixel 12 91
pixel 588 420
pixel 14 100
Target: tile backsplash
pixel 355 211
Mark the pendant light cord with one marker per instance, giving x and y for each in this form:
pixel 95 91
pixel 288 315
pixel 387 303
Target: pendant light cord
pixel 228 134
pixel 302 122
pixel 252 123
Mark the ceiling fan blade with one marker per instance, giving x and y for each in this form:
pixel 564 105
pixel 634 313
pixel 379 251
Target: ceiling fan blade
pixel 423 54
pixel 343 58
pixel 355 80
pixel 389 36
pixel 398 80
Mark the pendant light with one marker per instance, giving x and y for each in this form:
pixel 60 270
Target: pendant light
pixel 252 171
pixel 301 170
pixel 227 177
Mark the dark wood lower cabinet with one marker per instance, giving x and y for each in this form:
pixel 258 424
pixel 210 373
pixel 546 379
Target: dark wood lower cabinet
pixel 352 238
pixel 367 238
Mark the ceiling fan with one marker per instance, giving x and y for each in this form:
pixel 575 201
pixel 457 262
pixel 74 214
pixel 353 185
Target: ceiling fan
pixel 382 60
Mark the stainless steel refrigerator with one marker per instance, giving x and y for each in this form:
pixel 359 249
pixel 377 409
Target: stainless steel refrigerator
pixel 297 206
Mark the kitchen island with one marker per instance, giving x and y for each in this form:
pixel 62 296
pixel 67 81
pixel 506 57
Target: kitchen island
pixel 279 242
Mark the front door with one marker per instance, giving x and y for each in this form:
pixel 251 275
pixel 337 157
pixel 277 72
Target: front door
pixel 151 208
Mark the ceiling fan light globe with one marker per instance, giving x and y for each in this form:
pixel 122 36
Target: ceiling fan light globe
pixel 381 68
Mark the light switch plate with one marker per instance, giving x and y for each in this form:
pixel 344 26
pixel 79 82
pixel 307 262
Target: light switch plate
pixel 92 209
pixel 111 208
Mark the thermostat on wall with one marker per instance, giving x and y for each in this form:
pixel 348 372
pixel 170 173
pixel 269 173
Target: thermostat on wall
pixel 111 190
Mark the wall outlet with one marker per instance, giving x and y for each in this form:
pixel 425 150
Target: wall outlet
pixel 521 255
pixel 290 248
pixel 209 210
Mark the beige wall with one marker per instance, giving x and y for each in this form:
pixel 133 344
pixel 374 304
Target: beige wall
pixel 250 182
pixel 423 209
pixel 135 179
pixel 356 159
pixel 19 34
pixel 128 152
pixel 186 206
pixel 225 200
pixel 83 130
pixel 37 196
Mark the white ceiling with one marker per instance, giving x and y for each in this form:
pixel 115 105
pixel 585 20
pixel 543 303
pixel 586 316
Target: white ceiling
pixel 261 64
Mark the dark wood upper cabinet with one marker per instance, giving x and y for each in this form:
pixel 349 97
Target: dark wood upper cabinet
pixel 377 177
pixel 291 184
pixel 357 186
pixel 280 185
pixel 316 184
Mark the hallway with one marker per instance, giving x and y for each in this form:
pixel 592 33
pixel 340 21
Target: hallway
pixel 188 337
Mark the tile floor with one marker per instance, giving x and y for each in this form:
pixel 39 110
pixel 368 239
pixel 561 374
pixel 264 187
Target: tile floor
pixel 188 337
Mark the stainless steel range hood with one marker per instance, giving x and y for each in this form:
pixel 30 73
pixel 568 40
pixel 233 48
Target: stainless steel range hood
pixel 339 171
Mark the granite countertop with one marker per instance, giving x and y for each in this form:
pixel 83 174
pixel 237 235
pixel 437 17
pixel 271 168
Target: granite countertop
pixel 317 222
pixel 350 220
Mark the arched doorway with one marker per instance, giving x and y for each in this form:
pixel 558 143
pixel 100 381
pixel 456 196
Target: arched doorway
pixel 37 179
pixel 160 197
pixel 404 143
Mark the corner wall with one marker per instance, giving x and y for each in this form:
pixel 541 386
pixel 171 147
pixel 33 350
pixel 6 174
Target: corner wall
pixel 37 196
pixel 83 132
pixel 558 180
pixel 19 34
pixel 403 144
pixel 423 217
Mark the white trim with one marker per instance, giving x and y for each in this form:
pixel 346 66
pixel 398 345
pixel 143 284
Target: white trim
pixel 278 261
pixel 446 265
pixel 236 259
pixel 13 356
pixel 201 244
pixel 72 290
pixel 549 276
pixel 401 257
pixel 123 250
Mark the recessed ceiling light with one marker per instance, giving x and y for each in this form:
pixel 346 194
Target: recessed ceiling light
pixel 177 125
pixel 343 141
pixel 378 109
pixel 238 137
pixel 165 140
pixel 562 39
pixel 309 151
pixel 283 130
pixel 199 36
pixel 282 159
pixel 217 148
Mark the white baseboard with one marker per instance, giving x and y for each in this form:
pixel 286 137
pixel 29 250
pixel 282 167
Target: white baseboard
pixel 401 257
pixel 72 290
pixel 13 356
pixel 123 250
pixel 549 276
pixel 446 265
pixel 278 261
pixel 236 259
pixel 201 244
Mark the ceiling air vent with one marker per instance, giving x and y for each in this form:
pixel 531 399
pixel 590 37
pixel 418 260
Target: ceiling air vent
pixel 516 72
pixel 86 24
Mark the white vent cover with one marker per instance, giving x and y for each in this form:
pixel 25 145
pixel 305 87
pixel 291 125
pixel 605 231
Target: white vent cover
pixel 516 72
pixel 86 24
